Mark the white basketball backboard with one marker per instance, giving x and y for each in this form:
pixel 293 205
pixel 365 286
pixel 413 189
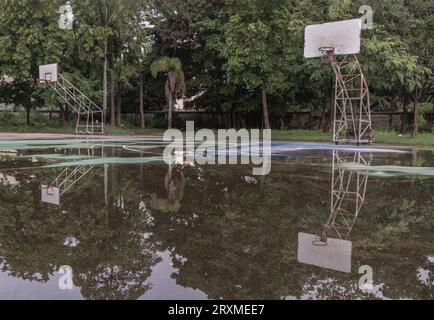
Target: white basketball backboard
pixel 50 195
pixel 336 255
pixel 48 72
pixel 343 36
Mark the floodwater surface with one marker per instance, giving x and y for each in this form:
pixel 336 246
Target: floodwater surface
pixel 107 219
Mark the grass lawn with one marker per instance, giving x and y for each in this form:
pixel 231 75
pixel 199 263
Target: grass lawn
pixel 16 123
pixel 128 131
pixel 301 135
pixel 422 139
pixel 385 137
pixel 71 130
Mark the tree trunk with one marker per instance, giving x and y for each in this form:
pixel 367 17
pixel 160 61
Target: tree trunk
pixel 322 120
pixel 104 83
pixel 62 115
pixel 243 121
pixel 265 107
pixel 282 122
pixel 416 118
pixel 404 116
pixel 66 113
pixel 234 125
pixel 113 104
pixel 142 111
pixel 28 116
pixel 169 112
pixel 119 109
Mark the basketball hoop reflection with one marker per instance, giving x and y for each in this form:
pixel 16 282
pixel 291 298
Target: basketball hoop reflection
pixel 332 249
pixel 67 179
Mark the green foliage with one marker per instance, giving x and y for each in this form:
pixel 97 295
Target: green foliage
pixel 340 9
pixel 164 65
pixel 397 223
pixel 164 205
pixel 226 50
pixel 424 108
pixel 17 121
pixel 386 137
pixel 257 43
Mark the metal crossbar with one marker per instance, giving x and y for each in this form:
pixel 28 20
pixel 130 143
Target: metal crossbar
pixel 69 177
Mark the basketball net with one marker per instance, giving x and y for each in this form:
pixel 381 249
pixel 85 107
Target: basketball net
pixel 327 54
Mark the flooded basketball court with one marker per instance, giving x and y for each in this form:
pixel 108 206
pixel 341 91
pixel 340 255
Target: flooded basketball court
pixel 328 222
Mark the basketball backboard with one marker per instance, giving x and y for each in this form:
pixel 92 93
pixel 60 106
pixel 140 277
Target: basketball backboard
pixel 335 255
pixel 343 36
pixel 48 72
pixel 50 195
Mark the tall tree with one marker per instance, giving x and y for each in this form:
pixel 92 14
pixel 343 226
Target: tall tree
pixel 257 46
pixel 140 48
pixel 175 82
pixel 28 38
pixel 95 22
pixel 400 46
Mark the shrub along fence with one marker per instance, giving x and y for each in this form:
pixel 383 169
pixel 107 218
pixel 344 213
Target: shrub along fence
pixel 398 121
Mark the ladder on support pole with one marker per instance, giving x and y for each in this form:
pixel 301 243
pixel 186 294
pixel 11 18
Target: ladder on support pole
pixel 90 117
pixel 352 111
pixel 68 178
pixel 348 190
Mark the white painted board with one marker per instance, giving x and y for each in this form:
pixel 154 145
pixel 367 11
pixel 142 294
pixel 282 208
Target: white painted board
pixel 48 72
pixel 336 255
pixel 50 195
pixel 344 36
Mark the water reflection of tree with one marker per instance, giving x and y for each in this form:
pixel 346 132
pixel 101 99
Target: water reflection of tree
pixel 174 183
pixel 241 243
pixel 229 239
pixel 235 239
pixel 124 256
pixel 113 259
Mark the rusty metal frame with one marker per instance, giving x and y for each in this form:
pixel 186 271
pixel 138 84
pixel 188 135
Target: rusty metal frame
pixel 352 112
pixel 348 191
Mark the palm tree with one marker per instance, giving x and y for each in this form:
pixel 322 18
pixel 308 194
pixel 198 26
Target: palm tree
pixel 175 83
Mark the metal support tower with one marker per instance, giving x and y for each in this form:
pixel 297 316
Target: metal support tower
pixel 352 112
pixel 90 117
pixel 348 191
